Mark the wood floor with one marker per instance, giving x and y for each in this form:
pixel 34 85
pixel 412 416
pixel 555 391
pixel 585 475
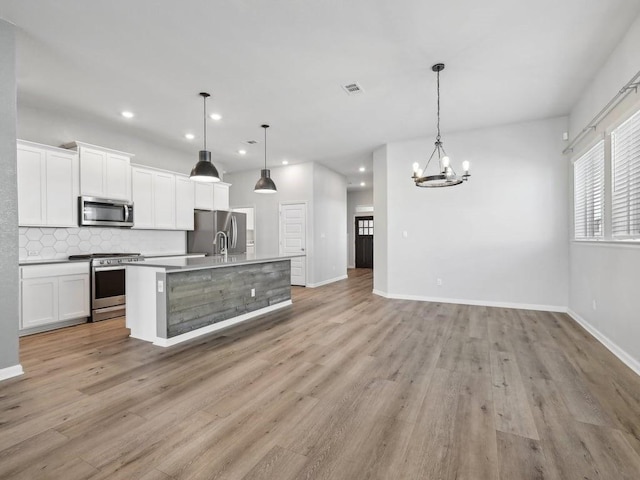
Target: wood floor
pixel 342 385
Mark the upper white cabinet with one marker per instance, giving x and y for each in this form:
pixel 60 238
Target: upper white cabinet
pixel 154 199
pixel 185 201
pixel 104 173
pixel 47 186
pixel 212 196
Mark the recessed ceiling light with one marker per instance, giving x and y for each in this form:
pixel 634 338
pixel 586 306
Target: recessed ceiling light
pixel 215 116
pixel 242 152
pixel 127 114
pixel 362 184
pixel 189 136
pixel 362 169
pixel 285 162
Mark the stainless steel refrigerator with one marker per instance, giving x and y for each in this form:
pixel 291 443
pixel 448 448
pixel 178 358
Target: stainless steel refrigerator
pixel 207 225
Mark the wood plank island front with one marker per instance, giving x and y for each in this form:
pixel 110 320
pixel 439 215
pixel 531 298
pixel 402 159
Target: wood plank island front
pixel 173 300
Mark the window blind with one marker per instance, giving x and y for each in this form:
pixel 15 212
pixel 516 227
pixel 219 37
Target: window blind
pixel 625 198
pixel 588 178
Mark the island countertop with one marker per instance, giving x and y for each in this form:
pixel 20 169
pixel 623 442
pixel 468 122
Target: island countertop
pixel 215 261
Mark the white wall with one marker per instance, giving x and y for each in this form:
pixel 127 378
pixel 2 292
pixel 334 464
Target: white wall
pixel 608 273
pixel 356 198
pixel 330 216
pixel 380 230
pixel 499 239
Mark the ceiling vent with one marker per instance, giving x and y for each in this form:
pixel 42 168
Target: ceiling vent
pixel 251 142
pixel 352 88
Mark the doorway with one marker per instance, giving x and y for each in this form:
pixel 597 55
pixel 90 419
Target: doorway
pixel 293 239
pixel 364 241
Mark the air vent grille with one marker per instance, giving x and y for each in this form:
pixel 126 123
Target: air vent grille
pixel 252 142
pixel 353 88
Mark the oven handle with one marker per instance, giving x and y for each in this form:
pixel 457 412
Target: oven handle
pixel 106 269
pixel 126 213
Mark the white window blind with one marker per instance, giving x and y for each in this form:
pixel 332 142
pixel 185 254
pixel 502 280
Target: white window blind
pixel 588 182
pixel 625 201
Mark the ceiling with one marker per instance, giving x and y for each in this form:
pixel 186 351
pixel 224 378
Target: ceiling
pixel 283 62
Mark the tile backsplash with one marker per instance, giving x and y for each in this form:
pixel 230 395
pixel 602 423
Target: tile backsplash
pixel 52 243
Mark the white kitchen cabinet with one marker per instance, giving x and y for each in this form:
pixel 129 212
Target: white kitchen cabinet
pixel 104 173
pixel 212 196
pixel 249 212
pixel 47 186
pixel 154 199
pixel 53 293
pixel 221 196
pixel 185 199
pixel 203 199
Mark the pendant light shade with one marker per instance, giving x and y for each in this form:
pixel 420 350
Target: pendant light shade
pixel 204 170
pixel 265 184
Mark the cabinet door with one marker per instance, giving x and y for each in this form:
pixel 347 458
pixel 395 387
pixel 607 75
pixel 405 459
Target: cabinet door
pixel 184 203
pixel 203 196
pixel 92 172
pixel 62 189
pixel 31 185
pixel 165 201
pixel 143 203
pixel 39 301
pixel 73 297
pixel 118 177
pixel 220 196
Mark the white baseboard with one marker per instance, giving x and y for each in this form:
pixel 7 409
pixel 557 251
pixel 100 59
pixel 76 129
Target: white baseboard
pixel 327 282
pixel 627 359
pixel 482 303
pixel 168 342
pixel 10 372
pixel 351 266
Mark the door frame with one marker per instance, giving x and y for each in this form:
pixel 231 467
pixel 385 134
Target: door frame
pixel 308 241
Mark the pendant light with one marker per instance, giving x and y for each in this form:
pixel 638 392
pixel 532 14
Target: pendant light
pixel 205 171
pixel 445 176
pixel 265 184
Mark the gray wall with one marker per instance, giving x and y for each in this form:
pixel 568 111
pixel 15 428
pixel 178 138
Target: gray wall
pixel 9 200
pixel 356 198
pixel 500 239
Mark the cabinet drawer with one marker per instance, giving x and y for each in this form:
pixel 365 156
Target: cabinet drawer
pixel 53 270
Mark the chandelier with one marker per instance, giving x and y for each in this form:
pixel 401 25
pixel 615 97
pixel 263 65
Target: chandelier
pixel 446 175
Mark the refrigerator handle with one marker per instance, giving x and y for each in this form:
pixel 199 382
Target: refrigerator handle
pixel 234 232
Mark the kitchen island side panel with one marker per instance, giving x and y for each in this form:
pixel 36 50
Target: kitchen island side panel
pixel 199 298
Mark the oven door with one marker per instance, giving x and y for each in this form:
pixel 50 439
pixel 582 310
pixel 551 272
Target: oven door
pixel 108 290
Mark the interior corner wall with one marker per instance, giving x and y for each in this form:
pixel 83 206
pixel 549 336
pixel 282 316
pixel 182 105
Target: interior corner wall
pixel 9 292
pixel 604 278
pixel 356 198
pixel 498 239
pixel 380 230
pixel 330 216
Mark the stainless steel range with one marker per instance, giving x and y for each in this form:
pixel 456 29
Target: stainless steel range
pixel 108 284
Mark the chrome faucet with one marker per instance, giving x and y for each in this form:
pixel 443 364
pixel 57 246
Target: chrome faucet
pixel 223 248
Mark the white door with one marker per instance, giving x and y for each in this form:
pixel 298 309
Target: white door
pixel 74 295
pixel 293 239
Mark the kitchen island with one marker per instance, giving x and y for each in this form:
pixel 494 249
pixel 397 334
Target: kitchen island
pixel 170 301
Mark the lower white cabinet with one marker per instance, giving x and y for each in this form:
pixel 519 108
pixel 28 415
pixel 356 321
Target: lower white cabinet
pixel 53 293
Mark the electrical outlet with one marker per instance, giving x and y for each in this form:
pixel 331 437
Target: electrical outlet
pixel 439 282
pixel 253 292
pixel 594 305
pixel 32 253
pixel 160 286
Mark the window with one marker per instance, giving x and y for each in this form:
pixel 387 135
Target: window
pixel 625 181
pixel 365 227
pixel 588 182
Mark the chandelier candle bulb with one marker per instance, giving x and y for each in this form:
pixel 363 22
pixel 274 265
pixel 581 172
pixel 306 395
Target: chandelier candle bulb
pixel 465 166
pixel 445 162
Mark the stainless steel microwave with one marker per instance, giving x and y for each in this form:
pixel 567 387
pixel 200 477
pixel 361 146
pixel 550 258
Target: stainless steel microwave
pixel 104 212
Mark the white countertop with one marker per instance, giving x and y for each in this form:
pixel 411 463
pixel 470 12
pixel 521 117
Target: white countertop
pixel 215 261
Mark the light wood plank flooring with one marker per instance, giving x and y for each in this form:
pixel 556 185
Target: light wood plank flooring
pixel 341 385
